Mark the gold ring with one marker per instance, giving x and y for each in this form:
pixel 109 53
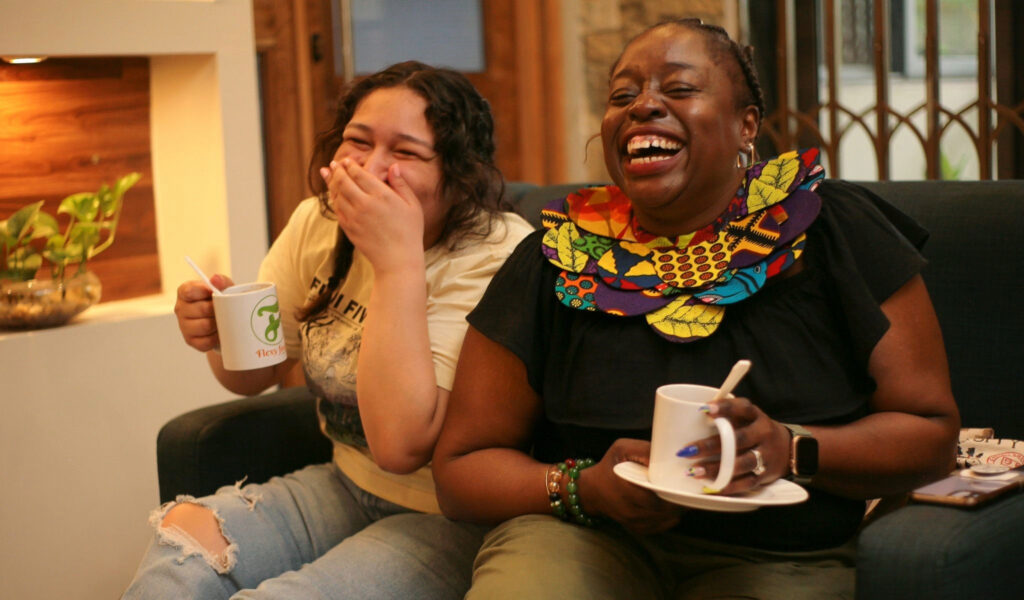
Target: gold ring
pixel 759 468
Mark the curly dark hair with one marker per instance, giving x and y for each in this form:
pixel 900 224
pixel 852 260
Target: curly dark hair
pixel 721 45
pixel 471 185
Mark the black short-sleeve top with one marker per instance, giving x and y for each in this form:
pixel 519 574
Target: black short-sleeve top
pixel 809 337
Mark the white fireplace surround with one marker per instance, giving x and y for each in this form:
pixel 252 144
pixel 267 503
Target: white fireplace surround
pixel 82 404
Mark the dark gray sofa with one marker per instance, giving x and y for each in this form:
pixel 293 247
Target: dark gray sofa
pixel 919 551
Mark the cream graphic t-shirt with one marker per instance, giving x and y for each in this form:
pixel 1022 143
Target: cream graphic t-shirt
pixel 300 262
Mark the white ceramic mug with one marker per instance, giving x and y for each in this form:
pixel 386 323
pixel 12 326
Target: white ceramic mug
pixel 678 421
pixel 249 326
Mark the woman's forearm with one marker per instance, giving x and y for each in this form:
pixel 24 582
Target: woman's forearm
pixel 492 485
pixel 910 436
pixel 399 402
pixel 481 466
pixel 251 382
pixel 884 453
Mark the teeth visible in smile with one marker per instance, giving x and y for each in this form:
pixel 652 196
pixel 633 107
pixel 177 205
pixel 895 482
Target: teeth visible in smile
pixel 643 142
pixel 643 160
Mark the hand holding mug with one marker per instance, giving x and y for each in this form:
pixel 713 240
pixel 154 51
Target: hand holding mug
pixel 194 310
pixel 682 414
pixel 243 322
pixel 249 326
pixel 762 447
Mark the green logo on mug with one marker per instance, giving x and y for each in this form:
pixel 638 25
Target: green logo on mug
pixel 266 321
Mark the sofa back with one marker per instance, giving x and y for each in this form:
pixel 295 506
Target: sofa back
pixel 975 276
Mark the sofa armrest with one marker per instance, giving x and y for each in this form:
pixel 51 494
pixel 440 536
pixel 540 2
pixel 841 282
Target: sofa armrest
pixel 254 438
pixel 937 552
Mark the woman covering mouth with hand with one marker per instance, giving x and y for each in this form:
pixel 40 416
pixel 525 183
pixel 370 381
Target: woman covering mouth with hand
pixel 374 277
pixel 698 256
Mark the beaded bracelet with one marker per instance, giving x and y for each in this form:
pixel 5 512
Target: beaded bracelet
pixel 552 481
pixel 553 485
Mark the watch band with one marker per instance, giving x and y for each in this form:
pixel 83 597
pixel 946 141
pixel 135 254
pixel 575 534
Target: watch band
pixel 803 453
pixel 795 429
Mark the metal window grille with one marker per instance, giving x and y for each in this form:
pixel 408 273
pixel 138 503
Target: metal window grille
pixel 814 39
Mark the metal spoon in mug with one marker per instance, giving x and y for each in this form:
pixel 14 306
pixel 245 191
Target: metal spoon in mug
pixel 735 375
pixel 206 279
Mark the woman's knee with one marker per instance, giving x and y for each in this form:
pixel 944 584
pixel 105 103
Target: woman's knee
pixel 538 556
pixel 197 529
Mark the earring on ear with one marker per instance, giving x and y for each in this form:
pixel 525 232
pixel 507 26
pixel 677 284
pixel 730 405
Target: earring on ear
pixel 747 157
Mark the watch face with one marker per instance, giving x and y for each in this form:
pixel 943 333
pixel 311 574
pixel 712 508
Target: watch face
pixel 805 454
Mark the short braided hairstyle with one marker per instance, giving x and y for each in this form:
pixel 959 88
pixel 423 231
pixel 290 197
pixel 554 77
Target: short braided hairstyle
pixel 721 45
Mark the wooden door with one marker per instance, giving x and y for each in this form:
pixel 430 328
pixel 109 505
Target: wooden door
pixel 297 91
pixel 522 81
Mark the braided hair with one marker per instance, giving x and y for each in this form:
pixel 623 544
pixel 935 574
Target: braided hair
pixel 721 46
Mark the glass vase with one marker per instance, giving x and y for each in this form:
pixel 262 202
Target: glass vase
pixel 40 303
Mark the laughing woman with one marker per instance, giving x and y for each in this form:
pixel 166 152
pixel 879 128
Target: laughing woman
pixel 374 279
pixel 693 260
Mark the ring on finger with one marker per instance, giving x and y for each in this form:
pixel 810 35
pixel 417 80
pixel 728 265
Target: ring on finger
pixel 759 468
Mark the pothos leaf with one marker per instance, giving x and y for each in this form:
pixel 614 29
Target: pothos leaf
pixel 84 235
pixel 45 226
pixel 123 183
pixel 21 221
pixel 83 206
pixel 108 201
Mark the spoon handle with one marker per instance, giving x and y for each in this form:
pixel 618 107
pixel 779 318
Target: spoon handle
pixel 205 279
pixel 735 375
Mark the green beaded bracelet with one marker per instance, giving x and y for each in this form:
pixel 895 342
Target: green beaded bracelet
pixel 571 468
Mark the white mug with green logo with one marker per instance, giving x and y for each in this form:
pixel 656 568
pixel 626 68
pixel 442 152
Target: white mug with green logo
pixel 249 326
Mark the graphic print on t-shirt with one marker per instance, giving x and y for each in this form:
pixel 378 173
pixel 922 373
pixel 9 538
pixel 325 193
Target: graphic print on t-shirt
pixel 331 348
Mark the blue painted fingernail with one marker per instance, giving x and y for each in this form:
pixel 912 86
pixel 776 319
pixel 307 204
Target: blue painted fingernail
pixel 687 452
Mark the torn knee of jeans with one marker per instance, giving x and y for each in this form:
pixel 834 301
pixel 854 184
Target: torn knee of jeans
pixel 171 534
pixel 248 495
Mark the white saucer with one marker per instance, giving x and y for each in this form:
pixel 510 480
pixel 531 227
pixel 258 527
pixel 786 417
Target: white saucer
pixel 778 492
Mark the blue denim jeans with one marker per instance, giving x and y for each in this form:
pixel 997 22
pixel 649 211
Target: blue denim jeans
pixel 311 534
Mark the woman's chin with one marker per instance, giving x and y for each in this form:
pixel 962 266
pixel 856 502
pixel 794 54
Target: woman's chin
pixel 651 192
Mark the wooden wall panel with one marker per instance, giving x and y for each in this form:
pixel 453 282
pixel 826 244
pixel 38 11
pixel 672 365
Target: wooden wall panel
pixel 500 84
pixel 297 94
pixel 283 154
pixel 69 125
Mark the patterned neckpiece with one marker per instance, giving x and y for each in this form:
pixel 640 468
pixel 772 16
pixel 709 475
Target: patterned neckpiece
pixel 683 283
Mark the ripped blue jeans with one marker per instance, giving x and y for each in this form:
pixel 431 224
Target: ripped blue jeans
pixel 311 534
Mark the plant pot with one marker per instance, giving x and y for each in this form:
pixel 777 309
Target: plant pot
pixel 40 303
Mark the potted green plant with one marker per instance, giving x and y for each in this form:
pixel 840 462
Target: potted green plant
pixel 32 236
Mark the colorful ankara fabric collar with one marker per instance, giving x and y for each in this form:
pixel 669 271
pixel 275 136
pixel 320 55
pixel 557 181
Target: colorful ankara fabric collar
pixel 682 284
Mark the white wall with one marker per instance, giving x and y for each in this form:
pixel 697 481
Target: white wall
pixel 80 405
